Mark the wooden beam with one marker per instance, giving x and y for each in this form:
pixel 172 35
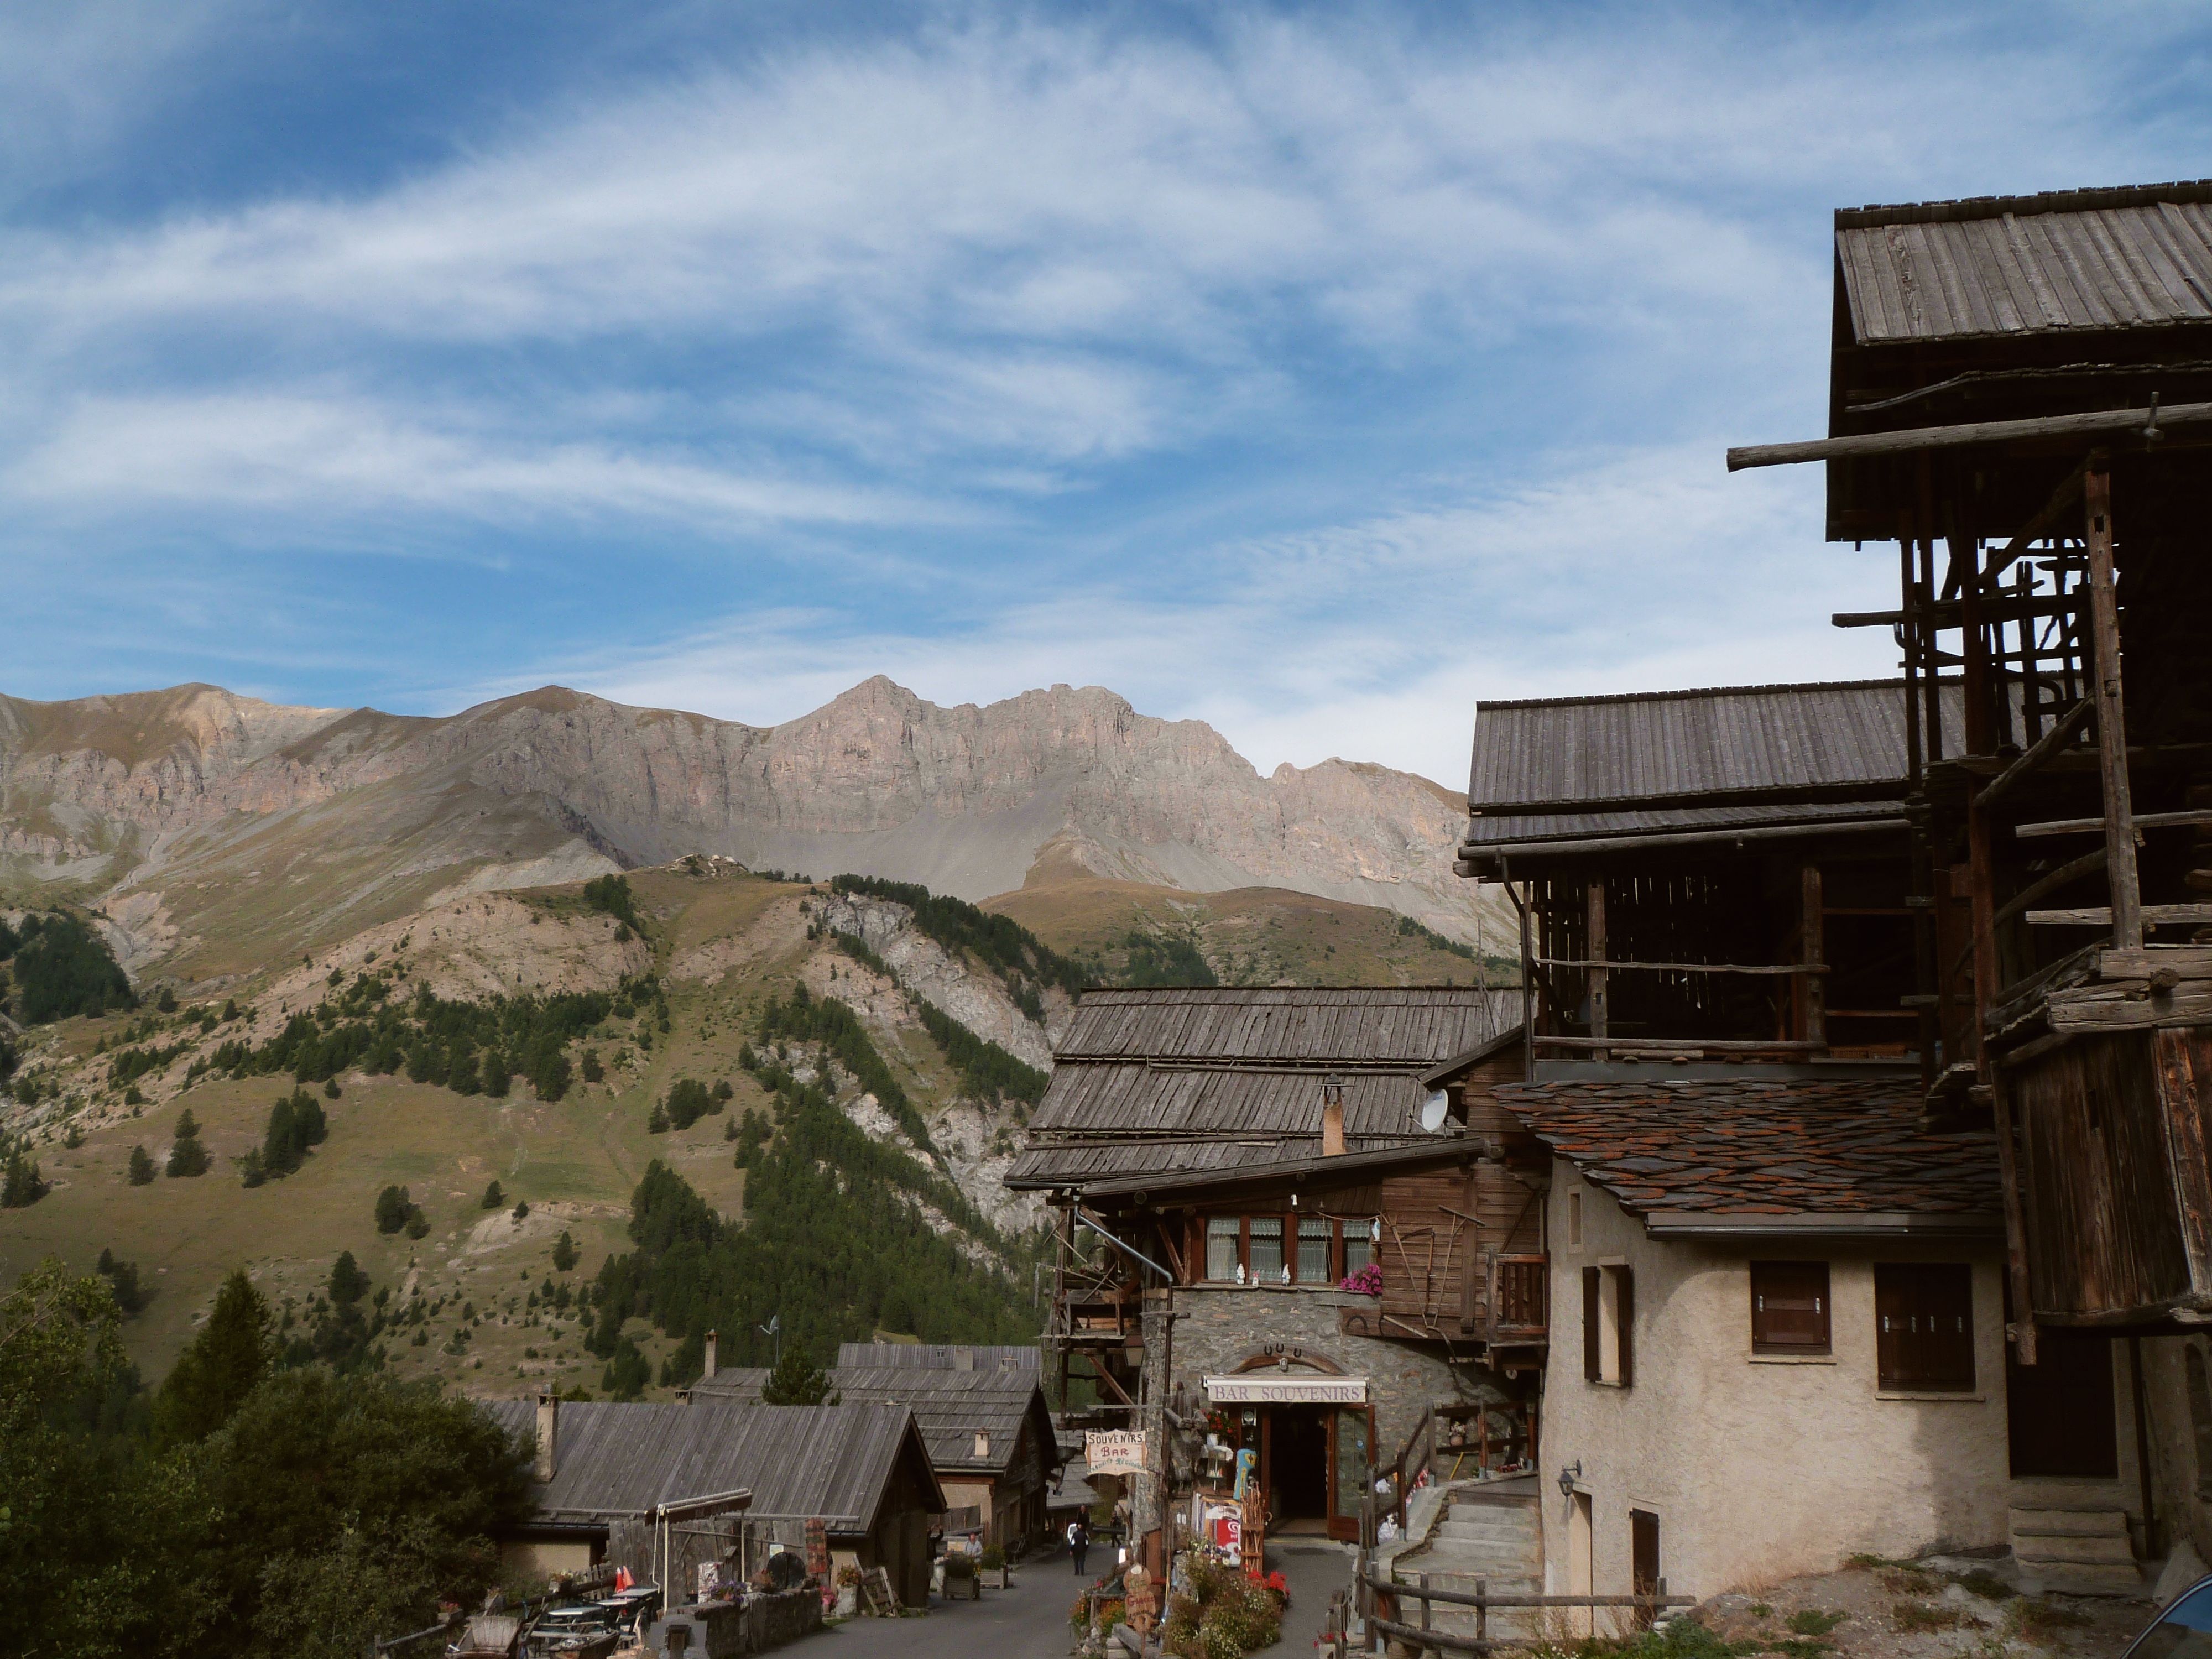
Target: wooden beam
pixel 1691 967
pixel 2085 826
pixel 2046 520
pixel 2111 716
pixel 1910 440
pixel 1678 1045
pixel 1597 980
pixel 1811 950
pixel 2023 1296
pixel 2098 916
pixel 2040 753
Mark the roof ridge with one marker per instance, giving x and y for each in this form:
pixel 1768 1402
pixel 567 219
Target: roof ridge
pixel 1482 707
pixel 2049 200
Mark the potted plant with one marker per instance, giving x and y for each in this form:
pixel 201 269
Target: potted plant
pixel 849 1590
pixel 960 1577
pixel 995 1560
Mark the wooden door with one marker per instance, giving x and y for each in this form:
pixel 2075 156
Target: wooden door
pixel 1644 1560
pixel 2060 1413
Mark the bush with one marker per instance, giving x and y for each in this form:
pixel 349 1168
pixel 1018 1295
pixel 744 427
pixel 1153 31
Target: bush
pixel 594 1071
pixel 418 1225
pixel 493 1198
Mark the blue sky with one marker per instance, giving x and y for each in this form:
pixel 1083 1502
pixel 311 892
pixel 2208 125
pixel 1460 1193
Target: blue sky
pixel 1312 371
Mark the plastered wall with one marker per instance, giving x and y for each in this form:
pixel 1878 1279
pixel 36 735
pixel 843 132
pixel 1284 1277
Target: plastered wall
pixel 1762 1470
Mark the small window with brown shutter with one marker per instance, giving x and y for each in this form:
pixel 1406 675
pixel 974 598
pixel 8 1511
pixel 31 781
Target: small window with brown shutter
pixel 1924 1326
pixel 1608 1325
pixel 1790 1307
pixel 1593 1351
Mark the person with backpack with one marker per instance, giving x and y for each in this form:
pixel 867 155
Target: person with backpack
pixel 1079 1543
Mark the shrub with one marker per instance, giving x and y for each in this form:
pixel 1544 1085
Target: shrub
pixel 493 1198
pixel 1812 1621
pixel 418 1225
pixel 2036 1620
pixel 1921 1616
pixel 594 1071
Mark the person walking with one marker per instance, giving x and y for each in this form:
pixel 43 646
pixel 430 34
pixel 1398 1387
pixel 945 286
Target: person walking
pixel 1079 1543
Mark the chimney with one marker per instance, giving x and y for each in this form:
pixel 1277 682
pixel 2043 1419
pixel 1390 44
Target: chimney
pixel 713 1349
pixel 549 1436
pixel 1332 1116
pixel 963 1359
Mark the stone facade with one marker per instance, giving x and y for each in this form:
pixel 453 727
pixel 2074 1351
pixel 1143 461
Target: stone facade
pixel 1218 1327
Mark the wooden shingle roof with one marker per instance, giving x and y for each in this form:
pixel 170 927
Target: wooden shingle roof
pixel 1193 1079
pixel 620 1458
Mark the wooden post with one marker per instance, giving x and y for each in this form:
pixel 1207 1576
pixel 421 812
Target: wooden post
pixel 1597 976
pixel 2112 716
pixel 1982 901
pixel 1966 566
pixel 1815 987
pixel 2023 1294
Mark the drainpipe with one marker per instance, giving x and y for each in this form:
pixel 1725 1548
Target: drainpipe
pixel 713 1349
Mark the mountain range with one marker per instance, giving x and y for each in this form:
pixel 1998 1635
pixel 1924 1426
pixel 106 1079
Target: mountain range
pixel 219 833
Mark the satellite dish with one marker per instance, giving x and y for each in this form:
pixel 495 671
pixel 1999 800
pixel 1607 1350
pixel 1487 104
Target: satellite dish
pixel 1434 1110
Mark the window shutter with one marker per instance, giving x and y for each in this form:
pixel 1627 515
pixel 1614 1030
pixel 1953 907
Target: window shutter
pixel 1627 1324
pixel 1790 1307
pixel 1925 1325
pixel 1592 1368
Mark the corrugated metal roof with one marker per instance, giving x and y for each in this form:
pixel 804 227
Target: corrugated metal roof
pixel 2135 257
pixel 949 1405
pixel 942 1356
pixel 1680 747
pixel 618 1458
pixel 1307 1025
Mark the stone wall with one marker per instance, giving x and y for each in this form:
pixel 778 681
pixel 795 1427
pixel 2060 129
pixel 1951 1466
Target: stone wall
pixel 1218 1329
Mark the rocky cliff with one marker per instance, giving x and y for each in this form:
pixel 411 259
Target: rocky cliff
pixel 375 814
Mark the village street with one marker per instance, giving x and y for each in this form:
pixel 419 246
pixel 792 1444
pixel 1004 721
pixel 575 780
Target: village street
pixel 1029 1620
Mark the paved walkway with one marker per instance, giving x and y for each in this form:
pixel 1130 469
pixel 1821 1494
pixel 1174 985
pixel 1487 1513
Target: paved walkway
pixel 1028 1620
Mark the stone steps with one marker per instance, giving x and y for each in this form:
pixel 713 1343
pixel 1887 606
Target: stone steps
pixel 2084 1551
pixel 1496 1538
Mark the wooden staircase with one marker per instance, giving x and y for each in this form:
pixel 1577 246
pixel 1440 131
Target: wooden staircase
pixel 2075 1551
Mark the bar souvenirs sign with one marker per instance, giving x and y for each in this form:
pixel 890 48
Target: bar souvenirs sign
pixel 1114 1451
pixel 1285 1389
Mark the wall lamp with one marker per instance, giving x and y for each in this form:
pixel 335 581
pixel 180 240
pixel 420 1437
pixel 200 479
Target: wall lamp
pixel 1569 1473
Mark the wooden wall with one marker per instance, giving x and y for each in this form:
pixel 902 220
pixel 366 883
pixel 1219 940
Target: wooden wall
pixel 2104 1222
pixel 1437 1227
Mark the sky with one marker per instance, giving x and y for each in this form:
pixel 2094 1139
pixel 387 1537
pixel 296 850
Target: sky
pixel 1313 371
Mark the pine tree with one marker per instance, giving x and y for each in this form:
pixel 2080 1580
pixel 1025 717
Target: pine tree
pixel 796 1381
pixel 235 1350
pixel 348 1283
pixel 392 1207
pixel 493 1198
pixel 186 1156
pixel 22 1185
pixel 564 1253
pixel 141 1167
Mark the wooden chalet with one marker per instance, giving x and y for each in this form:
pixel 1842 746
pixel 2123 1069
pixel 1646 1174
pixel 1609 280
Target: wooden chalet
pixel 657 1488
pixel 981 1411
pixel 1225 1161
pixel 2021 403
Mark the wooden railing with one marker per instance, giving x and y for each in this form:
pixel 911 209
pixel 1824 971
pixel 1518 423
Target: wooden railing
pixel 1378 1594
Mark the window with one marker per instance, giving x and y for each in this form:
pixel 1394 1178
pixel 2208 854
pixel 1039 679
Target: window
pixel 1608 1325
pixel 1790 1307
pixel 1223 1246
pixel 1924 1326
pixel 1306 1244
pixel 1358 1243
pixel 1574 1220
pixel 1316 1238
pixel 1267 1257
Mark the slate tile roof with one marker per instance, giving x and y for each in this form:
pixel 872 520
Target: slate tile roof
pixel 1751 1147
